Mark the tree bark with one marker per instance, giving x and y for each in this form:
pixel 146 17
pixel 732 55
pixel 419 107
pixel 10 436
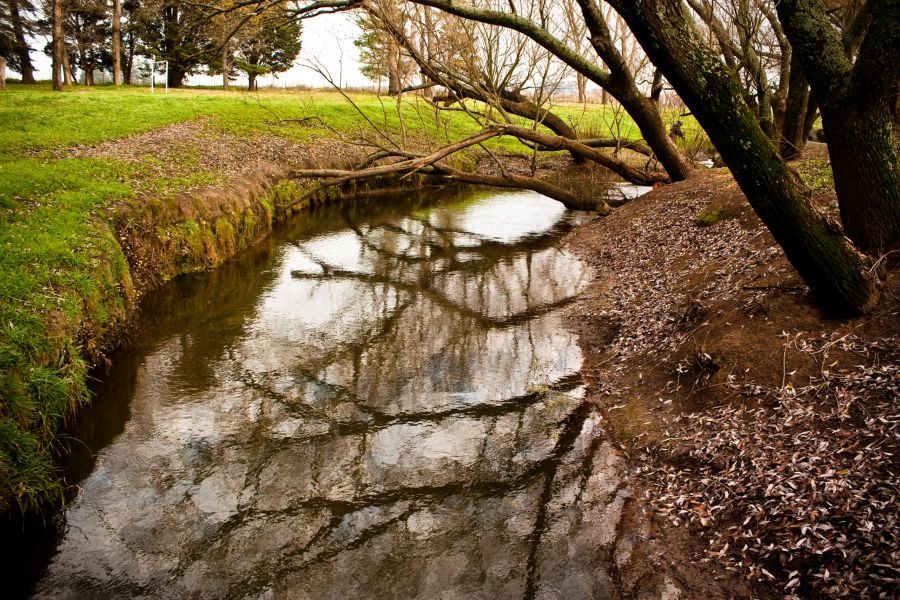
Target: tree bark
pixel 117 42
pixel 793 127
pixel 812 113
pixel 2 73
pixel 857 104
pixel 225 67
pixel 128 61
pixel 58 47
pixel 22 50
pixel 837 274
pixel 656 87
pixel 69 75
pixel 395 86
pixel 86 67
pixel 176 76
pixel 251 82
pixel 754 67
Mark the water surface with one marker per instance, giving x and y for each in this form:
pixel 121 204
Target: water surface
pixel 381 402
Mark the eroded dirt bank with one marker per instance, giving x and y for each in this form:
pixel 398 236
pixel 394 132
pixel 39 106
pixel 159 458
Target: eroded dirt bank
pixel 762 433
pixel 184 223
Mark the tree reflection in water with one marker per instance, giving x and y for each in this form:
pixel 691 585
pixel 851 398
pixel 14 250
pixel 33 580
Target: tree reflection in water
pixel 399 414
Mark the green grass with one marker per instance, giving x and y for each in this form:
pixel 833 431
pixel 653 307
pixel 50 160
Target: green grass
pixel 709 216
pixel 61 267
pixel 816 173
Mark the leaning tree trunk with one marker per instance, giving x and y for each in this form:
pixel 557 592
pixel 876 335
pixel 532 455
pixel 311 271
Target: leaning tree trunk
pixel 117 42
pixel 619 82
pixel 22 50
pixel 857 104
pixel 837 274
pixel 512 102
pixel 519 105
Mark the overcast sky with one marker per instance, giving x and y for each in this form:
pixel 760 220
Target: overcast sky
pixel 327 39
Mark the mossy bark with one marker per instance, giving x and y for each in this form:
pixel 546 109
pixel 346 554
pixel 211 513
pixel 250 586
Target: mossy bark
pixel 838 275
pixel 857 105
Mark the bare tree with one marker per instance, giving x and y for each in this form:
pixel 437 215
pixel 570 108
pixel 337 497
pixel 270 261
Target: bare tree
pixel 618 80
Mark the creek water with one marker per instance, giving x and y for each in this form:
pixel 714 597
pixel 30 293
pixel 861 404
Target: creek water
pixel 379 402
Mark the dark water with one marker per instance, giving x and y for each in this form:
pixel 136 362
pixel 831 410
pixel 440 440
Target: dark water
pixel 379 403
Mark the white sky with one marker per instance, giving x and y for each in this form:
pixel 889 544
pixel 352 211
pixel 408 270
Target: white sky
pixel 327 39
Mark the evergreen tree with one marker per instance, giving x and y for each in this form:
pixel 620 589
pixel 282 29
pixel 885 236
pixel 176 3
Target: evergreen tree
pixel 269 46
pixel 177 33
pixel 89 27
pixel 16 24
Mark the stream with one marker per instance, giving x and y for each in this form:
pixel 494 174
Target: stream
pixel 381 401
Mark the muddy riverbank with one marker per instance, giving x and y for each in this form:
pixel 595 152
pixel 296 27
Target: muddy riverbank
pixel 744 408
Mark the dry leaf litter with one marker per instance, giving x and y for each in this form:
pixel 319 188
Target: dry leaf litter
pixel 794 486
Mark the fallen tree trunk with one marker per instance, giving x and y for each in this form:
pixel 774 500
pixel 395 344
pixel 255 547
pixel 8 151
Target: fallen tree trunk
pixel 410 164
pixel 517 182
pixel 333 177
pixel 638 146
pixel 620 168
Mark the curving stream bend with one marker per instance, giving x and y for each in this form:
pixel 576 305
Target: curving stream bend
pixel 382 402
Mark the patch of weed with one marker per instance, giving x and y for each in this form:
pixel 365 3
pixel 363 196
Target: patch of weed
pixel 709 216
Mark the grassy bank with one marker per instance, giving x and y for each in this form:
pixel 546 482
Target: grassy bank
pixel 65 283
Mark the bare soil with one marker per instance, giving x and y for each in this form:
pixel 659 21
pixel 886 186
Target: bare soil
pixel 183 148
pixel 762 431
